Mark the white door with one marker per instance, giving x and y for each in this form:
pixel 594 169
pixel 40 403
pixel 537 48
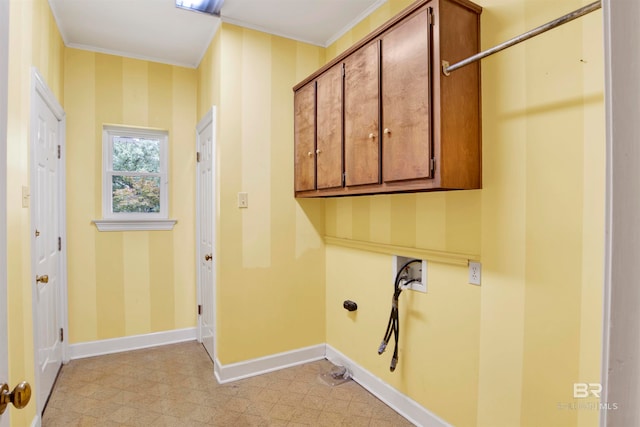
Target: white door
pixel 205 230
pixel 47 132
pixel 4 44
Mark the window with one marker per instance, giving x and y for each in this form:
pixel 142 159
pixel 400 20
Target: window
pixel 135 182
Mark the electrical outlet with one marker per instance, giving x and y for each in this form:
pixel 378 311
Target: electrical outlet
pixel 475 271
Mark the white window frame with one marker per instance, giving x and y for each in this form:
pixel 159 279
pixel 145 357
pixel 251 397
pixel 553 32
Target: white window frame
pixel 131 221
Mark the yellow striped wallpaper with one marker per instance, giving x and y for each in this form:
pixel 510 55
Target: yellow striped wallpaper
pixel 270 257
pixel 128 283
pixel 505 353
pixel 502 354
pixel 34 40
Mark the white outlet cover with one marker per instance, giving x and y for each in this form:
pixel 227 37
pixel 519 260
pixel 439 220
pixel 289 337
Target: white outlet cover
pixel 475 273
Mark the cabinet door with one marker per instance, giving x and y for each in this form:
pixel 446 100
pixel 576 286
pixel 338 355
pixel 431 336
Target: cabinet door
pixel 361 119
pixel 329 129
pixel 406 100
pixel 305 137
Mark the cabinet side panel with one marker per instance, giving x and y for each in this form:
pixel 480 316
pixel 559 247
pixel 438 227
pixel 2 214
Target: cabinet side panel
pixel 329 132
pixel 304 135
pixel 362 141
pixel 459 101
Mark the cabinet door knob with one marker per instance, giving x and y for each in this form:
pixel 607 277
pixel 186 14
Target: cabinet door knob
pixel 387 131
pixel 310 154
pixel 318 151
pixel 371 135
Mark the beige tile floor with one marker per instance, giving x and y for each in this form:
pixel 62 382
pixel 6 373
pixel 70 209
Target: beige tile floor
pixel 174 386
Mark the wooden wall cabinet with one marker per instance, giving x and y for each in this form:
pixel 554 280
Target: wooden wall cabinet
pixel 304 106
pixel 382 118
pixel 362 116
pixel 318 132
pixel 329 128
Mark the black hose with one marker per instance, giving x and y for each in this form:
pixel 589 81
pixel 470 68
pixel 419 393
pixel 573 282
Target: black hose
pixel 393 327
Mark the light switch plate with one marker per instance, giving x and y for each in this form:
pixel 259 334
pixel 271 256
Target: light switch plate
pixel 243 200
pixel 25 196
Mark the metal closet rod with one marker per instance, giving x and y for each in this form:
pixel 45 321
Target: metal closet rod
pixel 447 69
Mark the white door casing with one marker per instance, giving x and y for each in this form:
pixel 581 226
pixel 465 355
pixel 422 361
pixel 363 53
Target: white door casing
pixel 620 370
pixel 206 229
pixel 4 77
pixel 48 235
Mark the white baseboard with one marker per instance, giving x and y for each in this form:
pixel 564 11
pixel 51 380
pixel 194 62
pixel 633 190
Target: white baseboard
pixel 135 342
pixel 399 402
pixel 262 365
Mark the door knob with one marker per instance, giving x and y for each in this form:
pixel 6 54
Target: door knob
pixel 208 257
pixel 42 279
pixel 387 131
pixel 371 136
pixel 309 154
pixel 20 396
pixel 318 151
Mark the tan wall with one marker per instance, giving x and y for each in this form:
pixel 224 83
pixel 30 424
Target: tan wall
pixel 138 282
pixel 506 353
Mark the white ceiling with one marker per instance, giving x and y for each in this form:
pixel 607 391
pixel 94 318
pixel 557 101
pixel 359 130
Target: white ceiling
pixel 156 30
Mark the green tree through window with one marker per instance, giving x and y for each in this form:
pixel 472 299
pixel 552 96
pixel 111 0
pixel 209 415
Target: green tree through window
pixel 138 188
pixel 135 185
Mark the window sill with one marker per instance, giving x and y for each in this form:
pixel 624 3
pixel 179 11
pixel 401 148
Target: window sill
pixel 134 224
